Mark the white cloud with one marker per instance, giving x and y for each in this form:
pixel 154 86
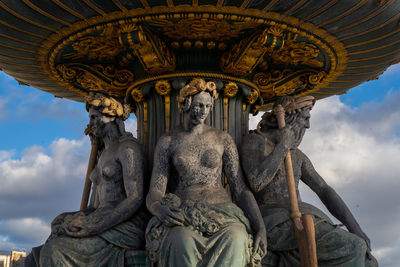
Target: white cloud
pixel 37 171
pixel 23 231
pixel 36 187
pixel 357 152
pixel 394 69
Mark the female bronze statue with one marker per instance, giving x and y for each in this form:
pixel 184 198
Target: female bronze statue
pixel 113 224
pixel 197 223
pixel 262 156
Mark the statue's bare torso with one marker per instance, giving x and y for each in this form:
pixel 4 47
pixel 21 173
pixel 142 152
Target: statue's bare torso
pixel 198 161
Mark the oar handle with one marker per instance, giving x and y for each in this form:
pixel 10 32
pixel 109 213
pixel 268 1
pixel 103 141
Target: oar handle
pixel 88 182
pixel 295 214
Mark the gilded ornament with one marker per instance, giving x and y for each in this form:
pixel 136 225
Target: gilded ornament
pixel 287 81
pixel 230 89
pixel 211 45
pixel 187 44
pixel 202 28
pixel 97 77
pixel 153 54
pixel 53 46
pixel 296 53
pixel 198 44
pixel 103 47
pixel 195 86
pixel 137 95
pixel 175 45
pixel 252 98
pixel 248 53
pixel 163 87
pixel 222 46
pixel 108 105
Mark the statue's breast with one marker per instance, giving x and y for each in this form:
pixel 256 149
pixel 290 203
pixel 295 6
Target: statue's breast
pixel 111 170
pixel 210 158
pixel 195 157
pixel 184 160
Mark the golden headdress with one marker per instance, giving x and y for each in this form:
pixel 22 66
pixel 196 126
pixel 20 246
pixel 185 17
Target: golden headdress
pixel 107 105
pixel 197 85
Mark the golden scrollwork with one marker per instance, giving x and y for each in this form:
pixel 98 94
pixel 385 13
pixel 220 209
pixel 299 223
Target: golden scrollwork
pixel 287 81
pixel 163 87
pixel 137 95
pixel 152 52
pixel 103 47
pixel 252 98
pixel 202 28
pixel 249 52
pixel 230 89
pixel 335 54
pixel 97 77
pixel 296 53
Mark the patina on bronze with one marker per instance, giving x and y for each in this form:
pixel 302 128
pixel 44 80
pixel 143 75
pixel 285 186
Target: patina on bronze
pixel 197 223
pixel 262 156
pixel 143 52
pixel 110 231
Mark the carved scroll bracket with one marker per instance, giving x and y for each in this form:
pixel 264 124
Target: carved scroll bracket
pixel 96 77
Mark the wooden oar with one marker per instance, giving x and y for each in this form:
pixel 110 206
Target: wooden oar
pixel 303 224
pixel 91 165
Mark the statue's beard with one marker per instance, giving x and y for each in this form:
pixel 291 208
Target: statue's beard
pixel 298 132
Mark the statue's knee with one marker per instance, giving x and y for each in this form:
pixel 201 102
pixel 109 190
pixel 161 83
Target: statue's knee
pixel 237 234
pixel 181 237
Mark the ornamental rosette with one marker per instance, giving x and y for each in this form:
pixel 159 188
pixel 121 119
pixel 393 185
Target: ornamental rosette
pixel 137 95
pixel 230 89
pixel 163 87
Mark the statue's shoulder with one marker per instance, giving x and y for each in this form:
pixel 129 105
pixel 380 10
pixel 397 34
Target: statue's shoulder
pixel 129 142
pixel 254 141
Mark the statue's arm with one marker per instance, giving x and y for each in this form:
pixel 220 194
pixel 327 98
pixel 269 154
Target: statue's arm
pixel 333 202
pixel 160 173
pixel 243 196
pixel 132 163
pixel 259 168
pixel 158 185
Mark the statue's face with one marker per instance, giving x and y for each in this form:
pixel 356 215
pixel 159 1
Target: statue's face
pixel 200 107
pixel 98 121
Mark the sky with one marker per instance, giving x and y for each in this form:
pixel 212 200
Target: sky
pixel 353 142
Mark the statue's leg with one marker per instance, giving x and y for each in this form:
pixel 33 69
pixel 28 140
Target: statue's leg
pixel 228 247
pixel 337 247
pixel 181 247
pixel 69 251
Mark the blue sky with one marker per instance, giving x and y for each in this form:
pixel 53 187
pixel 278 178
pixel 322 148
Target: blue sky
pixel 354 143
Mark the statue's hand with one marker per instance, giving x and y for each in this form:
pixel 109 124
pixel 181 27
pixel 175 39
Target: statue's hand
pixel 361 234
pixel 286 137
pixel 260 241
pixel 77 228
pixel 169 216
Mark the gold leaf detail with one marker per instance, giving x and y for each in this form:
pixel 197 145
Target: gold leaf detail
pixel 204 28
pixel 137 95
pixel 163 87
pixel 230 89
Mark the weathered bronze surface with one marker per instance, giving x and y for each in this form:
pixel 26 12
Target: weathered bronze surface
pixel 110 231
pixel 262 156
pixel 197 223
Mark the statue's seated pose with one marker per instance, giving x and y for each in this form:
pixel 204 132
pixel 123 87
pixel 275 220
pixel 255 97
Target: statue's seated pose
pixel 197 224
pixel 113 224
pixel 262 156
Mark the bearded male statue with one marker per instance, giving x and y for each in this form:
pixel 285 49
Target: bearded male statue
pixel 262 156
